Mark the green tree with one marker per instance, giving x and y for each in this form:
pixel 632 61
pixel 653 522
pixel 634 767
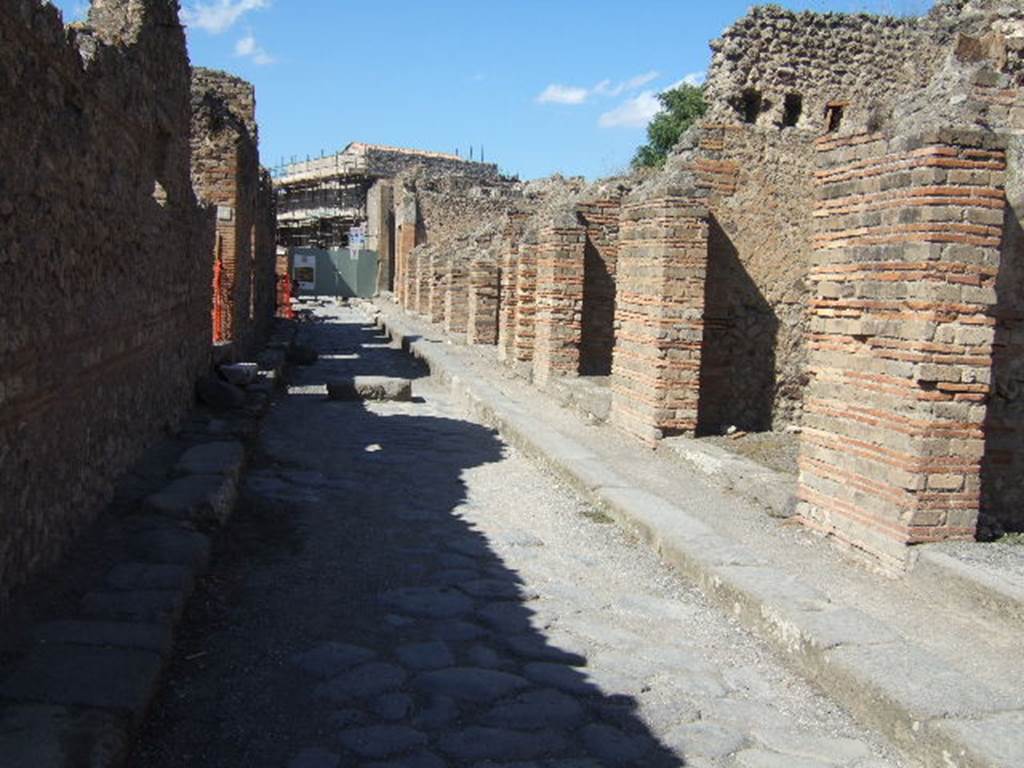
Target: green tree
pixel 681 107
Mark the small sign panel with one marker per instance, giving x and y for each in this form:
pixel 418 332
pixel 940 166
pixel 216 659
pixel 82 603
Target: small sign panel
pixel 304 270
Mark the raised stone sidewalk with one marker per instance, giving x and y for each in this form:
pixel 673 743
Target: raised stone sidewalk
pixel 938 677
pixel 82 681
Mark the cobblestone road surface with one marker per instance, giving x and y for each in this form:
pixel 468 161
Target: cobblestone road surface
pixel 403 589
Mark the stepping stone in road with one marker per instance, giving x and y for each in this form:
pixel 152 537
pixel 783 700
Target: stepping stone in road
pixel 370 388
pixel 330 659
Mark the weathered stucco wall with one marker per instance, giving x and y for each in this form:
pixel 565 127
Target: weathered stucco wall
pixel 105 301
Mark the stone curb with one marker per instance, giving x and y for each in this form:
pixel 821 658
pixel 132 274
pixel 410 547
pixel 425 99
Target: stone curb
pixel 975 589
pixel 940 717
pixel 86 683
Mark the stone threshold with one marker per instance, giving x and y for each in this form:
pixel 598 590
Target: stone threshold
pixel 940 717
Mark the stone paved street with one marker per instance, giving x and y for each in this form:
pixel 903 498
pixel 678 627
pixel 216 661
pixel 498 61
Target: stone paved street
pixel 400 588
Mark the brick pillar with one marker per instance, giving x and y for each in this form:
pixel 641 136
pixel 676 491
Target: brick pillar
pixel 507 301
pixel 436 269
pixel 900 340
pixel 661 270
pixel 482 309
pixel 456 293
pixel 405 222
pixel 416 280
pixel 526 298
pixel 557 322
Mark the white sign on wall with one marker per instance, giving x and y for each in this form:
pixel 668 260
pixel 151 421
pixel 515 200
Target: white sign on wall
pixel 304 270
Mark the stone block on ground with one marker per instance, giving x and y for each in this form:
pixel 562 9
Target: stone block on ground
pixel 370 388
pixel 151 606
pixel 239 374
pixel 118 634
pixel 42 736
pixel 119 679
pixel 219 394
pixel 201 499
pixel 220 458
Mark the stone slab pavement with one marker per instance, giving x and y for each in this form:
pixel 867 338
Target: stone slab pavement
pixel 904 660
pixel 400 586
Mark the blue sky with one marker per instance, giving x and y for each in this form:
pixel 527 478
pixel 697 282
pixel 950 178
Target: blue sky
pixel 544 86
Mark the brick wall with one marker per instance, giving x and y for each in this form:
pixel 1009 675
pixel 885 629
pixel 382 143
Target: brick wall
pixel 526 290
pixel 663 242
pixel 903 286
pixel 264 287
pixel 558 300
pixel 105 300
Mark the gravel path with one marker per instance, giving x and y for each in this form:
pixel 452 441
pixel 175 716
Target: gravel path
pixel 403 589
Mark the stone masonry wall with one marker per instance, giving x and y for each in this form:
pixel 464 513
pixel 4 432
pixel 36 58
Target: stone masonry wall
pixel 600 220
pixel 663 240
pixel 907 254
pixel 105 301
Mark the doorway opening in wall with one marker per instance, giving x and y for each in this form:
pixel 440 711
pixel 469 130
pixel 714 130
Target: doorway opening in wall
pixel 834 116
pixel 792 109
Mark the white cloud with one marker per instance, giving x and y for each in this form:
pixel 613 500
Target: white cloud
pixel 632 113
pixel 562 94
pixel 248 48
pixel 694 78
pixel 605 87
pixel 572 94
pixel 215 16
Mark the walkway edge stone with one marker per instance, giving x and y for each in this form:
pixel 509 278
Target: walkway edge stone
pixel 886 682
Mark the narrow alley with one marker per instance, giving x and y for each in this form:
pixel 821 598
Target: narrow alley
pixel 401 588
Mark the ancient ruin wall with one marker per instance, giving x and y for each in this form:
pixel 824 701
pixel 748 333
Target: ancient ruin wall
pixel 907 253
pixel 600 220
pixel 226 173
pixel 264 276
pixel 774 74
pixel 105 301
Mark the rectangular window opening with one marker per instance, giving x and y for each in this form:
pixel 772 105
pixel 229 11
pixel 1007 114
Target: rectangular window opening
pixel 794 107
pixel 834 116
